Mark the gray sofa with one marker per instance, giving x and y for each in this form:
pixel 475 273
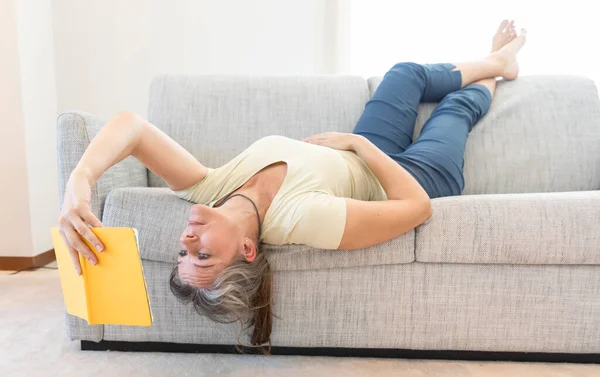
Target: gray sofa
pixel 512 265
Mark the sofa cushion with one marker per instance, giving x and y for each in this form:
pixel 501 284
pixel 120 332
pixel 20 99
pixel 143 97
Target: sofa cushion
pixel 547 228
pixel 160 217
pixel 216 117
pixel 541 134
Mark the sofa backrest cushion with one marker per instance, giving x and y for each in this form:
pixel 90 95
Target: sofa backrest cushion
pixel 217 117
pixel 541 134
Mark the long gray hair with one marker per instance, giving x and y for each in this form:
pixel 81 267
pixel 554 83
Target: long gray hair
pixel 242 292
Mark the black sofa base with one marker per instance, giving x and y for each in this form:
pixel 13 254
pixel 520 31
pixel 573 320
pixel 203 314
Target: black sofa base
pixel 105 345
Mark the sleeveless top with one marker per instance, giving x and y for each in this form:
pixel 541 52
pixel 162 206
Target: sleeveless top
pixel 309 208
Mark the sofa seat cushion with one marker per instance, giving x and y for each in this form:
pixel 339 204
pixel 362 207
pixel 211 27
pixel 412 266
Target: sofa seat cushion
pixel 160 217
pixel 546 228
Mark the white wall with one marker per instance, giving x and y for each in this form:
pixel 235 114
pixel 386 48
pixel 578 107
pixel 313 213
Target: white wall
pixel 38 103
pixel 100 57
pixel 107 52
pixel 562 35
pixel 15 231
pixel 29 191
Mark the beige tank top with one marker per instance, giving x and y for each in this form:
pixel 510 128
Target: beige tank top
pixel 309 207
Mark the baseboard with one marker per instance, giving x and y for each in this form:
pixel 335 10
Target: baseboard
pixel 20 263
pixel 105 345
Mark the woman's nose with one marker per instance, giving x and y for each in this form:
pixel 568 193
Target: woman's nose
pixel 188 239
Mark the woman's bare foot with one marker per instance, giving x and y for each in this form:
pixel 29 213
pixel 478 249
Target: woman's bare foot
pixel 505 33
pixel 506 54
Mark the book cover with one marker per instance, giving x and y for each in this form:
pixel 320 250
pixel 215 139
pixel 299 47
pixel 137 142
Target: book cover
pixel 112 292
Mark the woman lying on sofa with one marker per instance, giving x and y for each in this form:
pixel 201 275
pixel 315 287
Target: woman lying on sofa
pixel 330 191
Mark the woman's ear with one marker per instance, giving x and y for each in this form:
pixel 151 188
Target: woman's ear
pixel 249 250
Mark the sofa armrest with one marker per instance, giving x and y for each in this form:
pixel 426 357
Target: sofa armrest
pixel 74 132
pixel 540 228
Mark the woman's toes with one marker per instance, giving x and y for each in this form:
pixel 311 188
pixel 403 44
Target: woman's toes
pixel 505 34
pixel 511 26
pixel 510 35
pixel 502 26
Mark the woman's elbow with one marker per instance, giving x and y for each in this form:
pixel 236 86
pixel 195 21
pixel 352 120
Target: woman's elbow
pixel 427 209
pixel 128 118
pixel 129 122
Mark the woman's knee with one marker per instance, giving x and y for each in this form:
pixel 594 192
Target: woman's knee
pixel 409 74
pixel 471 99
pixel 478 96
pixel 408 67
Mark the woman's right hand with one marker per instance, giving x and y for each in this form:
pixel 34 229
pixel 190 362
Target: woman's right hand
pixel 75 216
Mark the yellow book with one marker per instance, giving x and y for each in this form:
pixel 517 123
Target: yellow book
pixel 113 292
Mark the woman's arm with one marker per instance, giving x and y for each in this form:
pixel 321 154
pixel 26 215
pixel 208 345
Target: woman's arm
pixel 124 135
pixel 129 134
pixel 395 180
pixel 371 222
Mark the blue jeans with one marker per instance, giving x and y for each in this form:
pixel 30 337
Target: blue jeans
pixel 436 158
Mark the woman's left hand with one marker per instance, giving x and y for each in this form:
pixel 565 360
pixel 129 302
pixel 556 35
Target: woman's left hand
pixel 335 140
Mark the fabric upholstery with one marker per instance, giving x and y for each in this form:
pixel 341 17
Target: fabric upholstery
pixel 160 217
pixel 541 134
pixel 78 328
pixel 216 117
pixel 545 228
pixel 410 306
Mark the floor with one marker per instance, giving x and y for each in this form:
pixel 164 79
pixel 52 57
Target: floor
pixel 34 343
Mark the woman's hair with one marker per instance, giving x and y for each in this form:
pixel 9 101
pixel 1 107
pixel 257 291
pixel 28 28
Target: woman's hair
pixel 242 292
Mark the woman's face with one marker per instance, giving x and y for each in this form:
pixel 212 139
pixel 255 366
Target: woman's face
pixel 211 240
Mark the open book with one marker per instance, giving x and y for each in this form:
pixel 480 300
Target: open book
pixel 113 292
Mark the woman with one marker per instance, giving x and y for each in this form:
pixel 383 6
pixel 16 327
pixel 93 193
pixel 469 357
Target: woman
pixel 330 191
